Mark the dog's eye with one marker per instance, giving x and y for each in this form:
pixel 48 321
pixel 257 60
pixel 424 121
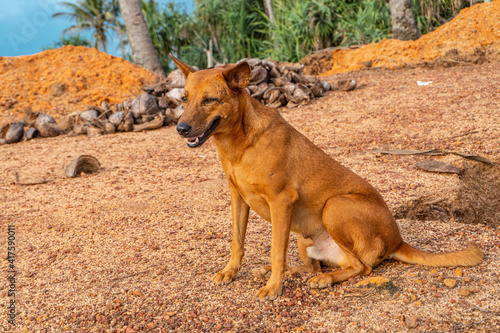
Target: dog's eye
pixel 209 100
pixel 184 99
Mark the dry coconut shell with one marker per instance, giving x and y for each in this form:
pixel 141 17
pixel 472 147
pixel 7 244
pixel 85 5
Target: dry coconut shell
pixel 282 81
pixel 123 106
pixel 66 124
pixel 176 79
pixel 317 89
pixel 117 118
pixel 3 130
pixel 127 123
pixel 271 95
pixel 300 96
pixel 80 126
pixel 46 125
pixel 289 88
pixel 347 85
pixel 105 125
pixel 252 62
pixel 144 105
pixel 30 133
pixel 168 118
pixel 252 89
pixel 274 72
pixel 14 133
pixel 261 89
pixel 93 131
pixel 299 78
pixel 326 86
pixel 177 113
pixel 258 75
pixel 168 102
pixel 157 122
pixel 83 163
pixel 29 117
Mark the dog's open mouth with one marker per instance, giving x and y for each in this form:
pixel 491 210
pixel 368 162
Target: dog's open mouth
pixel 200 139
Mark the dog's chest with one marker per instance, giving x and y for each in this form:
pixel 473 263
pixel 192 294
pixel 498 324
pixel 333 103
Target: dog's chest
pixel 252 192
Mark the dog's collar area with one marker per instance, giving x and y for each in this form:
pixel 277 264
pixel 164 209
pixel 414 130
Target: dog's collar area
pixel 200 139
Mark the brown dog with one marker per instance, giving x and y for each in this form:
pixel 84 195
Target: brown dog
pixel 275 170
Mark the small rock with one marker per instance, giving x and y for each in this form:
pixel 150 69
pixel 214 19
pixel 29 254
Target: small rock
pixel 464 292
pixel 459 272
pixel 450 283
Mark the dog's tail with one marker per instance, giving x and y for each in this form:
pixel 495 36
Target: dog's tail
pixel 470 256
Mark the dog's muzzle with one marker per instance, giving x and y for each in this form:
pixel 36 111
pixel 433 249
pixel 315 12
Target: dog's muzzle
pixel 185 129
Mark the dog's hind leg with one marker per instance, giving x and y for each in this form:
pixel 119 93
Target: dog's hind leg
pixel 309 265
pixel 355 267
pixel 362 227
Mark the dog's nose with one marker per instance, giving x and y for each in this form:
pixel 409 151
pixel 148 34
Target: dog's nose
pixel 183 129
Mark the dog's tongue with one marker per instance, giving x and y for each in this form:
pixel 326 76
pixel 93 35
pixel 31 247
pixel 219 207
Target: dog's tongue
pixel 193 139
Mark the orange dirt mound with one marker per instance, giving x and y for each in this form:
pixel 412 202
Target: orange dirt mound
pixel 61 81
pixel 473 36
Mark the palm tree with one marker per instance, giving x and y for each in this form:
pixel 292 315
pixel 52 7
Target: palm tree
pixel 91 15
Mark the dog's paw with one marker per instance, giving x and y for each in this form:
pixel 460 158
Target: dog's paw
pixel 321 281
pixel 261 271
pixel 224 276
pixel 268 293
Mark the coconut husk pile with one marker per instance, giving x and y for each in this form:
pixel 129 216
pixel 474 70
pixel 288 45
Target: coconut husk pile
pixel 272 83
pixel 275 84
pixel 143 113
pixel 146 112
pixel 475 200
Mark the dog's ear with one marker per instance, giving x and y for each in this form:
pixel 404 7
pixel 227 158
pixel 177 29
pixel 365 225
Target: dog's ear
pixel 185 68
pixel 237 77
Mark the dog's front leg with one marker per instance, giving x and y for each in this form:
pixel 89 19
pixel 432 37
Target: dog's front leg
pixel 240 211
pixel 281 220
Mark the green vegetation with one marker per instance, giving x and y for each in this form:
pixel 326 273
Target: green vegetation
pixel 100 17
pixel 75 40
pixel 236 29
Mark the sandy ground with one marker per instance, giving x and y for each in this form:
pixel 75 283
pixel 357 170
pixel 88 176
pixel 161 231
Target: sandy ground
pixel 132 248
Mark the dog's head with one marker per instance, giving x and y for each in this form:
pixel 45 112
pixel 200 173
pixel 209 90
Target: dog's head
pixel 210 99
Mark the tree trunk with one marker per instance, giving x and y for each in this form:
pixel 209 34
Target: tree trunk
pixel 404 26
pixel 268 8
pixel 143 50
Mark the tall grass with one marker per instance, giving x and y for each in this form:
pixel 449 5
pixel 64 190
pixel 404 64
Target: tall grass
pixel 239 28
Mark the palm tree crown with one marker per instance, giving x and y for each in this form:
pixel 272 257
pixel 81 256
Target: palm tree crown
pixel 98 16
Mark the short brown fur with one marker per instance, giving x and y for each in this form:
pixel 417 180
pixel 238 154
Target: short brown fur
pixel 275 170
